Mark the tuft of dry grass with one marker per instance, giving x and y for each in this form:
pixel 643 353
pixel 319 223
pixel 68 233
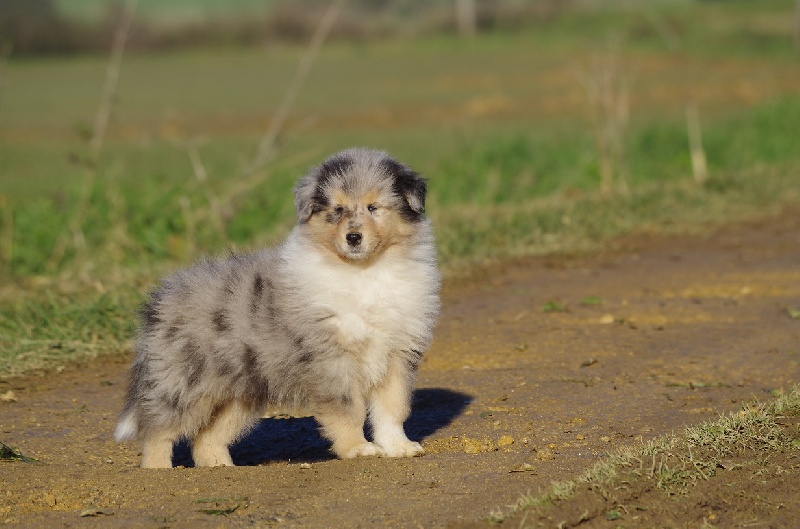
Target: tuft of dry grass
pixel 673 464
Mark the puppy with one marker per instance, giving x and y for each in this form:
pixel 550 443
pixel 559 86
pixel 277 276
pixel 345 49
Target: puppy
pixel 333 321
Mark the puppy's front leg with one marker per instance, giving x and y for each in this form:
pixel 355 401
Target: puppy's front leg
pixel 343 423
pixel 390 406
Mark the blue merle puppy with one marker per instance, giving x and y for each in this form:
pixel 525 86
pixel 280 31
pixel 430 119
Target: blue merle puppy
pixel 331 322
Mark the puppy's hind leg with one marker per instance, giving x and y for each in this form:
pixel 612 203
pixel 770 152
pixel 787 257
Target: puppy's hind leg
pixel 157 449
pixel 389 407
pixel 210 445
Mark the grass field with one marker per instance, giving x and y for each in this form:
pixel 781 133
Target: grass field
pixel 501 125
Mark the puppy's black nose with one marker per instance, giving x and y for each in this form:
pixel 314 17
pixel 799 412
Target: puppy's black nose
pixel 353 239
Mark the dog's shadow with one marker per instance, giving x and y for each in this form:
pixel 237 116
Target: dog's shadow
pixel 298 439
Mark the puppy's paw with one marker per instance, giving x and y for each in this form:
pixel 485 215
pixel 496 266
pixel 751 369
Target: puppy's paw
pixel 211 456
pixel 365 449
pixel 404 448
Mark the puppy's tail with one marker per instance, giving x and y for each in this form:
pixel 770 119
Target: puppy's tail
pixel 127 427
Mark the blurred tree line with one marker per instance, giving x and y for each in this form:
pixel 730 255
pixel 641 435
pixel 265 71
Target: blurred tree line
pixel 40 27
pixel 35 26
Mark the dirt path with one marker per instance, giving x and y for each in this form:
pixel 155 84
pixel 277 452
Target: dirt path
pixel 686 328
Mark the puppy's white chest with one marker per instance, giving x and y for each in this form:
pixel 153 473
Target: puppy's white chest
pixel 352 329
pixel 360 329
pixel 362 307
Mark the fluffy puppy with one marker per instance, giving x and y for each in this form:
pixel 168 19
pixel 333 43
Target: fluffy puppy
pixel 333 321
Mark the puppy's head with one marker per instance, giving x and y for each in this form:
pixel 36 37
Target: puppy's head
pixel 360 202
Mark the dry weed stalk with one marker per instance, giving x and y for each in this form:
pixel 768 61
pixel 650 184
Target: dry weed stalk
pixel 112 78
pixel 696 151
pixel 667 34
pixel 267 144
pixel 698 154
pixel 5 54
pixel 466 16
pixel 797 24
pixel 252 175
pixel 118 241
pixel 74 234
pixel 606 85
pixel 189 220
pixel 201 176
pixel 7 236
pixel 7 239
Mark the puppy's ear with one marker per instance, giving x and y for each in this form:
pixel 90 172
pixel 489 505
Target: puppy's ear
pixel 410 186
pixel 310 193
pixel 304 192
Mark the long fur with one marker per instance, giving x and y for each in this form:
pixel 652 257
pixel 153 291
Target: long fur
pixel 333 321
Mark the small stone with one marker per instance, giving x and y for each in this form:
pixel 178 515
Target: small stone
pixel 525 467
pixel 94 511
pixel 50 499
pixel 506 440
pixel 545 454
pixel 605 439
pixel 476 446
pixel 607 319
pixel 9 396
pixel 580 437
pixel 471 446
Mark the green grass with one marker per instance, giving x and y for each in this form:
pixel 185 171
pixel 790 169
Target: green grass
pixel 52 329
pixel 498 198
pixel 501 132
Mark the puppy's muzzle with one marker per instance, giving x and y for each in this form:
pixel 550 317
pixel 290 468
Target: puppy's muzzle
pixel 353 239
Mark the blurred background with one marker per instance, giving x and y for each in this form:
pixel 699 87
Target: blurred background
pixel 136 136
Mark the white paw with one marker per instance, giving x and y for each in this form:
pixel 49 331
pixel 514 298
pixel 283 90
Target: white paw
pixel 216 463
pixel 213 462
pixel 404 449
pixel 364 450
pixel 212 457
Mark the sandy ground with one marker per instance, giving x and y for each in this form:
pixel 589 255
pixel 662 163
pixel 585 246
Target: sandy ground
pixel 647 337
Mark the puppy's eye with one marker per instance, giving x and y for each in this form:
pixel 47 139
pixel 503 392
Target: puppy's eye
pixel 338 210
pixel 372 208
